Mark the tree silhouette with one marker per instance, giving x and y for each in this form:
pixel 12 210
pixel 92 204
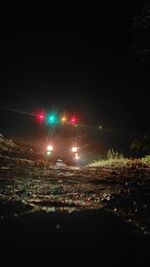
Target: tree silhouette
pixel 141 145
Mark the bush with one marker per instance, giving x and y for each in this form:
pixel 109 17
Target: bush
pixel 146 159
pixel 113 159
pixel 114 155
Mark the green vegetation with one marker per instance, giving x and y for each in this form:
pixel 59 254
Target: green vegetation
pixel 116 160
pixel 141 144
pixel 146 160
pixel 113 158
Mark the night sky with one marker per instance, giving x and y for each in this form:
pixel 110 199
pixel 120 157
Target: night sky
pixel 87 65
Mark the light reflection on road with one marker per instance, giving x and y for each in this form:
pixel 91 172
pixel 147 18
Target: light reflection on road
pixel 30 190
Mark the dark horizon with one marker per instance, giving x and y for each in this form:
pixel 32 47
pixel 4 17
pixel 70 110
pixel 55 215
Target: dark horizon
pixel 86 66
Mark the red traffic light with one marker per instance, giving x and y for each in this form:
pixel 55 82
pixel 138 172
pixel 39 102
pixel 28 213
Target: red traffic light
pixel 73 120
pixel 41 117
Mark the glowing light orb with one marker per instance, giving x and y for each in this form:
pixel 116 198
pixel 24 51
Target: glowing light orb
pixel 50 148
pixel 74 120
pixel 77 156
pixel 63 119
pixel 52 119
pixel 74 149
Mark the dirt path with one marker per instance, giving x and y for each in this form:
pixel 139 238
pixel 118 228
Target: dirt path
pixel 57 213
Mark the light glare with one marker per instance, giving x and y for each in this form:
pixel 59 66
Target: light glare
pixel 64 119
pixel 74 149
pixel 50 148
pixel 77 156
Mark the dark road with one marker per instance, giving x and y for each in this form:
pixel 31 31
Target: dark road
pixel 68 217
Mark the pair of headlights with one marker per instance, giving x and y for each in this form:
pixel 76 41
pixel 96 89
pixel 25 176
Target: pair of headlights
pixel 74 148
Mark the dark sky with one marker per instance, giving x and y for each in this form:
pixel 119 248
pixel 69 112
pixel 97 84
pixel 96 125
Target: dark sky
pixel 79 64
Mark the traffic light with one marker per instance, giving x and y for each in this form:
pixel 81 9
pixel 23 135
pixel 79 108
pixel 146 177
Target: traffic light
pixel 52 118
pixel 41 116
pixel 73 120
pixel 63 119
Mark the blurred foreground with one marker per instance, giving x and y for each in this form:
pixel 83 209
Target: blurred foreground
pixel 71 216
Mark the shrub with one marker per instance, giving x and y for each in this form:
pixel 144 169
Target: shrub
pixel 146 159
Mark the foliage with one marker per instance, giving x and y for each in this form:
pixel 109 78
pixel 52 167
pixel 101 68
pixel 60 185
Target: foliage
pixel 136 145
pixel 146 159
pixel 140 30
pixel 113 159
pixel 143 144
pixel 111 155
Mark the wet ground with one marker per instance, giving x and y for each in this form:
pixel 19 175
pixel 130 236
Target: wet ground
pixel 74 216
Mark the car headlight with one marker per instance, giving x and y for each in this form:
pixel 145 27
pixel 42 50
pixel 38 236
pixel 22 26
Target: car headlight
pixel 77 156
pixel 74 149
pixel 50 148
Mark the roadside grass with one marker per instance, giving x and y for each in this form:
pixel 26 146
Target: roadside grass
pixel 117 160
pixel 146 160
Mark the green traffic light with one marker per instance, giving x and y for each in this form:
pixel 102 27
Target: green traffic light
pixel 52 118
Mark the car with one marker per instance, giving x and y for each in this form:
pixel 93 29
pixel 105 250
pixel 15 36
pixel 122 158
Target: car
pixel 62 155
pixel 62 143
